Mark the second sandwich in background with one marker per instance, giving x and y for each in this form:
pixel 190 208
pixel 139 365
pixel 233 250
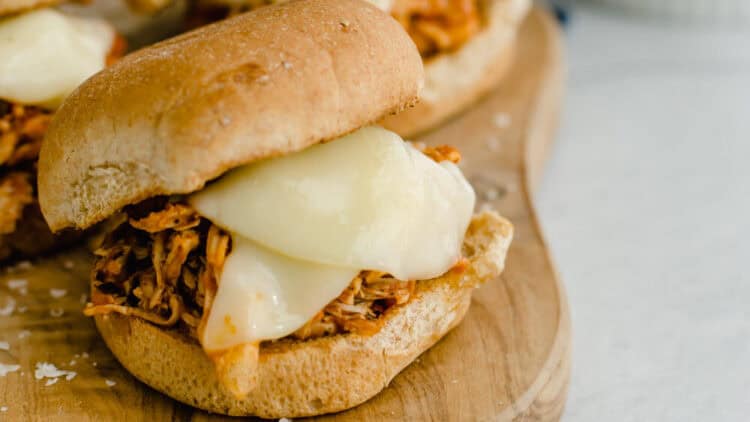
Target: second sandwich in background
pixel 44 55
pixel 271 253
pixel 467 47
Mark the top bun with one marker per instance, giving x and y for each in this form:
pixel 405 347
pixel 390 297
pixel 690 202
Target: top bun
pixel 169 118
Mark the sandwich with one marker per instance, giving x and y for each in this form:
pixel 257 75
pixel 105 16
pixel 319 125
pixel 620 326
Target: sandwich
pixel 271 251
pixel 45 55
pixel 467 47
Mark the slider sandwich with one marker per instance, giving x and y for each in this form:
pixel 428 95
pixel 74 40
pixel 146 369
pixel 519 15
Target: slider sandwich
pixel 271 252
pixel 44 55
pixel 467 46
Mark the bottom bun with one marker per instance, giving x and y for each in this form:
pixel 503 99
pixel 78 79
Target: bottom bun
pixel 323 375
pixel 455 80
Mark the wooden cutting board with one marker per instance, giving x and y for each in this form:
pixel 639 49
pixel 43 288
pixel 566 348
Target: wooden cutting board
pixel 509 360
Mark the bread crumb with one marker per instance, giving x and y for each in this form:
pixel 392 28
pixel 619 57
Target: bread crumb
pixel 263 79
pixel 83 299
pixel 22 309
pixel 286 65
pixel 7 309
pixel 24 265
pixel 72 362
pixel 3 408
pixel 85 355
pixel 70 375
pixel 56 312
pixel 110 383
pixel 23 334
pixel 95 363
pixel 51 381
pixel 285 420
pixel 68 264
pixel 4 345
pixel 57 293
pixel 7 369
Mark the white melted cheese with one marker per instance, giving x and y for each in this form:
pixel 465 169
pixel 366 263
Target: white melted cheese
pixel 45 55
pixel 307 223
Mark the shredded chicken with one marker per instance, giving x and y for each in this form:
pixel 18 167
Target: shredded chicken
pixel 436 26
pixel 164 266
pixel 21 131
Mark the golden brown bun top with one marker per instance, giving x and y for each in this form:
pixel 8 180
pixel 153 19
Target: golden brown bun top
pixel 169 118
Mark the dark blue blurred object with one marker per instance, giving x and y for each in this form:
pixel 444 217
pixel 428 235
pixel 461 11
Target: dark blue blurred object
pixel 561 10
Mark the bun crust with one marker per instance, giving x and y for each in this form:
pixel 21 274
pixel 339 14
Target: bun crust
pixel 324 375
pixel 455 80
pixel 169 118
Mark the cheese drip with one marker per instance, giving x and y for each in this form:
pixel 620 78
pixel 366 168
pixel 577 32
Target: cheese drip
pixel 311 220
pixel 45 55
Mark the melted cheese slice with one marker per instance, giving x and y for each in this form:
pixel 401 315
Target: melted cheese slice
pixel 266 295
pixel 45 55
pixel 307 223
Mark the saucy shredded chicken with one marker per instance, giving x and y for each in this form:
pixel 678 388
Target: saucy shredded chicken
pixel 164 265
pixel 435 26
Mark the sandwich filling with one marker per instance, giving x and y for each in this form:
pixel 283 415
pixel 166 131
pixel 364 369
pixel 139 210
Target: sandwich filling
pixel 319 242
pixel 45 55
pixel 435 26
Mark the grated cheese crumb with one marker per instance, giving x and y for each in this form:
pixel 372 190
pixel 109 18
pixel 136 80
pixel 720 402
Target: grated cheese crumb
pixel 22 309
pixel 23 334
pixel 47 370
pixel 7 309
pixel 4 345
pixel 57 293
pixel 51 381
pixel 83 299
pixel 7 369
pixel 3 408
pixel 56 312
pixel 68 264
pixel 24 265
pixel 18 284
pixel 110 383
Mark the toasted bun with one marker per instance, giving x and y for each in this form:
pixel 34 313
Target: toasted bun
pixel 9 7
pixel 328 374
pixel 455 80
pixel 169 118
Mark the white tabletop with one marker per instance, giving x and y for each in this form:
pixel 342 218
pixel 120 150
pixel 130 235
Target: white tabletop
pixel 646 206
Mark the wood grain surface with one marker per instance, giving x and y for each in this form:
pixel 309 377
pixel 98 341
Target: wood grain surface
pixel 509 360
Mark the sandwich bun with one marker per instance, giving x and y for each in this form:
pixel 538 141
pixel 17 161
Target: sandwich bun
pixel 323 375
pixel 454 80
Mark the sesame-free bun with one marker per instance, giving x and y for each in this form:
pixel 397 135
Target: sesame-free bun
pixel 169 118
pixel 327 374
pixel 456 79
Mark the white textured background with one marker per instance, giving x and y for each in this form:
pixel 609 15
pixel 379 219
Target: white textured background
pixel 646 206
